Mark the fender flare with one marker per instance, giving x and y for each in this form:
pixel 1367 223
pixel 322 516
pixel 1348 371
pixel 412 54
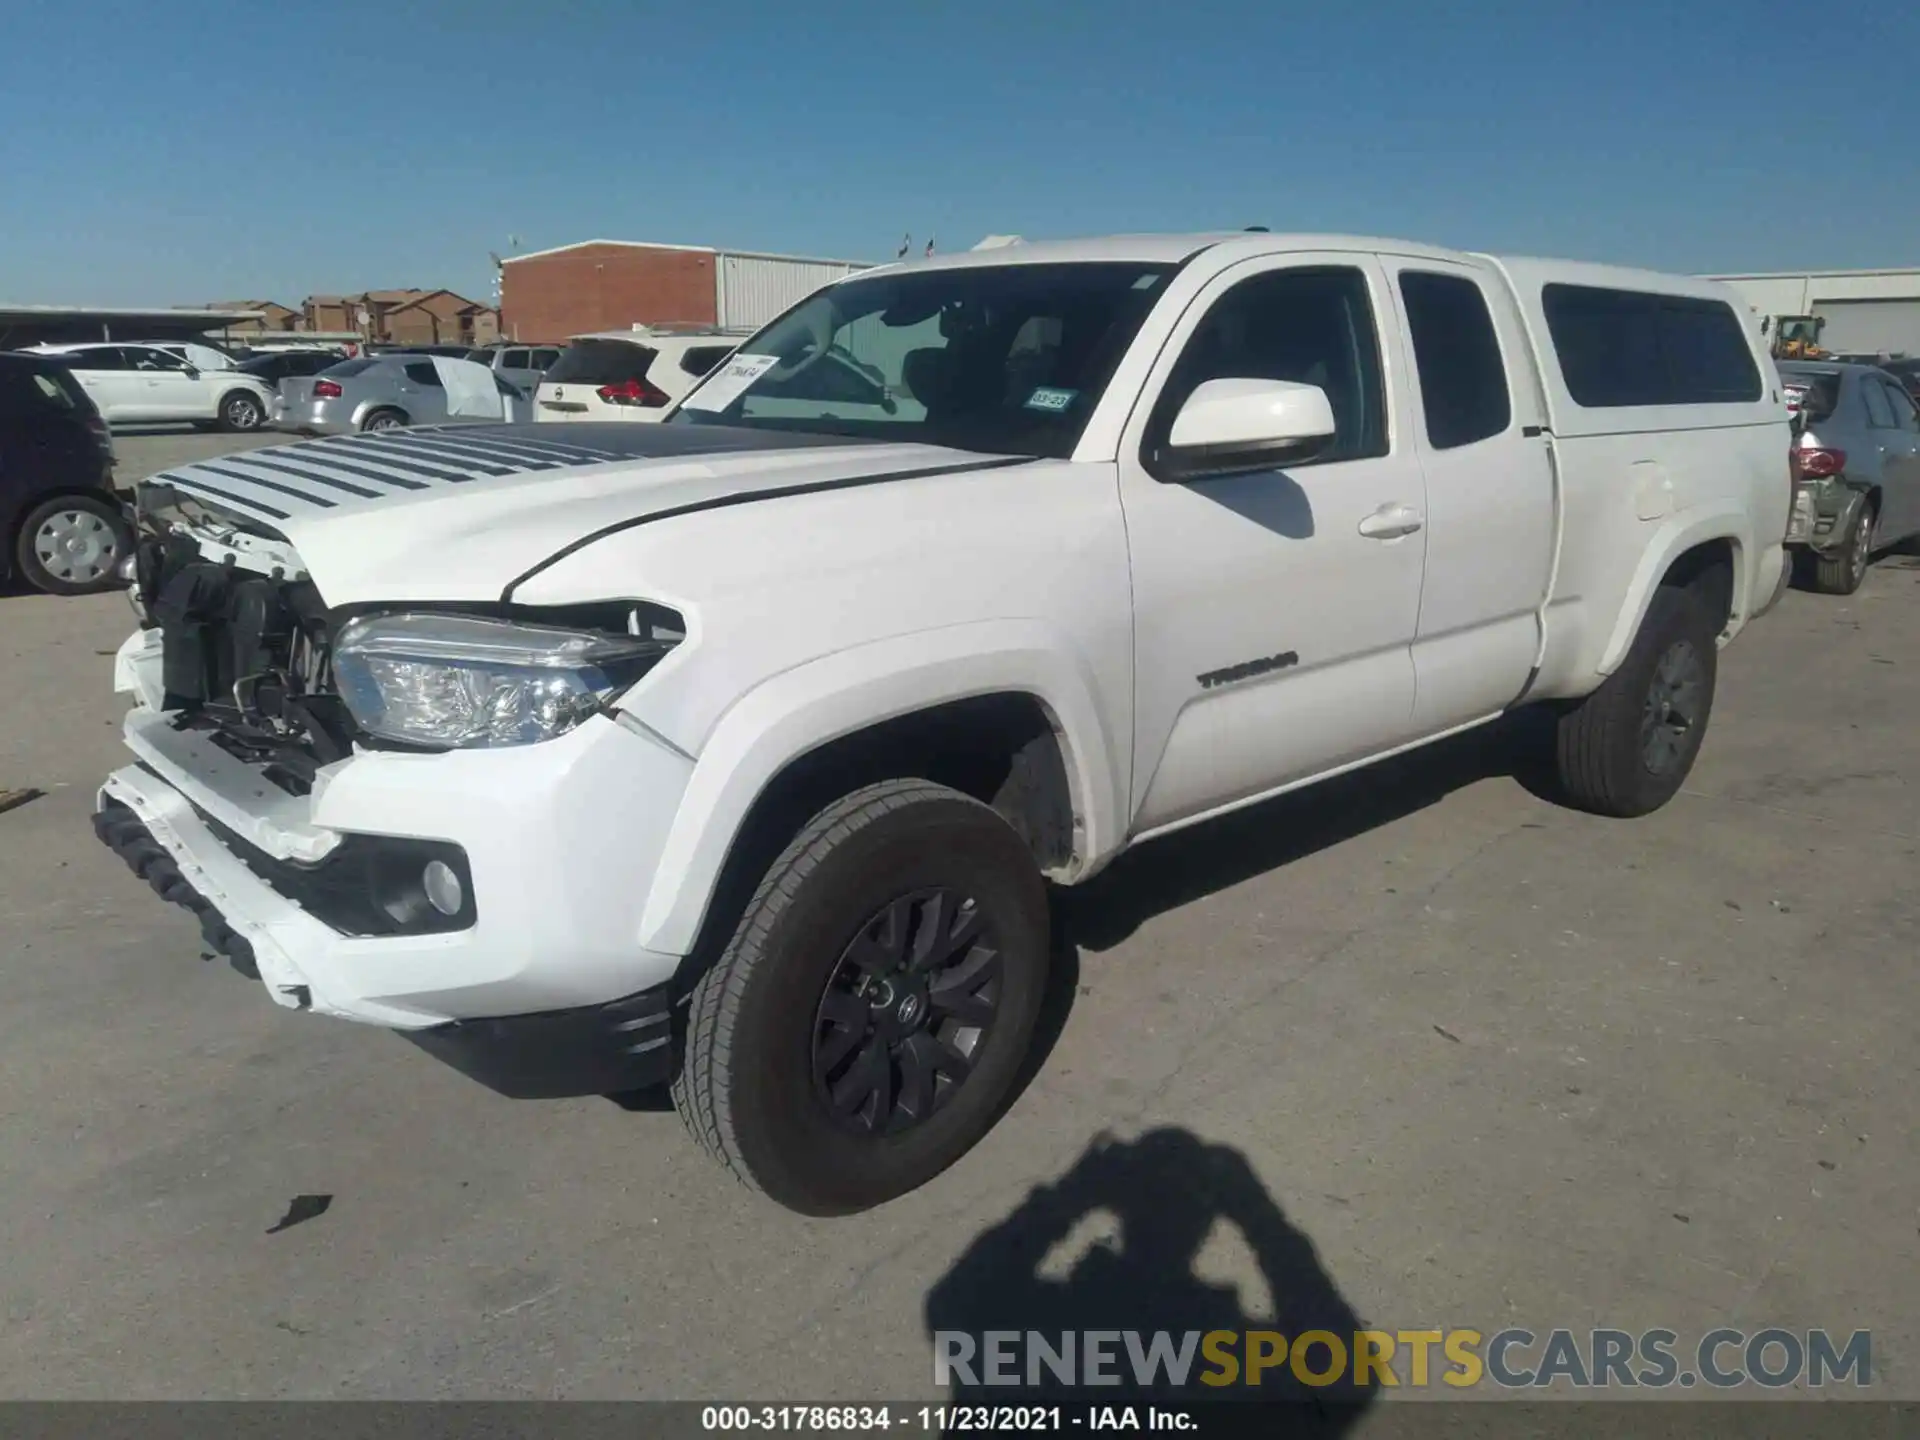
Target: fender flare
pixel 1678 535
pixel 799 710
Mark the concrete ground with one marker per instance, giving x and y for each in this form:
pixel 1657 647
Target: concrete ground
pixel 1488 1062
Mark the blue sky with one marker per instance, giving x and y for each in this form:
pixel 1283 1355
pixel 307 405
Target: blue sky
pixel 208 149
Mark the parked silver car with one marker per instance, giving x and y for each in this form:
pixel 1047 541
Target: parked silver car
pixel 387 392
pixel 1856 468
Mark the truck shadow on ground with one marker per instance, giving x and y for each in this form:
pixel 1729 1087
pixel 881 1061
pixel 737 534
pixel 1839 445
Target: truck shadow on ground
pixel 1113 1246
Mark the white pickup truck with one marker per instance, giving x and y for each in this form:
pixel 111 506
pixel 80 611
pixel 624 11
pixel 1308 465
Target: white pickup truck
pixel 734 751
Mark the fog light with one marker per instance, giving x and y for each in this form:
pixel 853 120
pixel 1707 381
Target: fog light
pixel 442 887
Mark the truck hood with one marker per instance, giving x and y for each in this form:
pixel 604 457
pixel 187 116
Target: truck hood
pixel 462 512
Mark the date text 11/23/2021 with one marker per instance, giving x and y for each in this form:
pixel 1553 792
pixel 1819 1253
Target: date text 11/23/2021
pixel 945 1419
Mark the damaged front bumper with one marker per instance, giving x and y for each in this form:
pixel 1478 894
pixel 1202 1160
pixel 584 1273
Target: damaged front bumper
pixel 526 986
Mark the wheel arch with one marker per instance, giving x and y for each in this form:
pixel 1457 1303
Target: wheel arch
pixel 950 706
pixel 1710 552
pixel 367 409
pixel 231 388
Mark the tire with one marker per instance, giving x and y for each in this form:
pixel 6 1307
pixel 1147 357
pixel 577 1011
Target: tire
pixel 72 545
pixel 1842 572
pixel 1627 748
pixel 775 1027
pixel 242 411
pixel 383 420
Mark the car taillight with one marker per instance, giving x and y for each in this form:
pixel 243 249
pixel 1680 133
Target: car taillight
pixel 634 392
pixel 1817 464
pixel 326 390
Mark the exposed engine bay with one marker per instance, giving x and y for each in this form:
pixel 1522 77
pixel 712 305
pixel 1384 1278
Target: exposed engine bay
pixel 245 635
pixel 248 643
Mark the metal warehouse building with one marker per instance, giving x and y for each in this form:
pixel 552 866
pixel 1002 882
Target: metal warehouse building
pixel 1867 311
pixel 551 295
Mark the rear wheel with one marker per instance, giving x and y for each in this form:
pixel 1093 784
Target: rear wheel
pixel 1626 749
pixel 869 1016
pixel 242 410
pixel 384 420
pixel 72 544
pixel 1842 572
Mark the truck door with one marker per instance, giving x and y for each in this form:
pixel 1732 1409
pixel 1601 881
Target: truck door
pixel 1274 612
pixel 1490 501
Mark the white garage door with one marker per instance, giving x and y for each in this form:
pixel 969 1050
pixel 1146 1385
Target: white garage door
pixel 1870 326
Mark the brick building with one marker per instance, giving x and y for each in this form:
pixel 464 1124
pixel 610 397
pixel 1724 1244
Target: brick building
pixel 405 317
pixel 275 318
pixel 548 296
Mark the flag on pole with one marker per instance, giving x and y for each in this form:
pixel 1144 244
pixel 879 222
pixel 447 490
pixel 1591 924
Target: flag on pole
pixel 929 245
pixel 906 244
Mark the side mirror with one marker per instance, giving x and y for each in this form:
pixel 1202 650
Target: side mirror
pixel 1233 427
pixel 193 372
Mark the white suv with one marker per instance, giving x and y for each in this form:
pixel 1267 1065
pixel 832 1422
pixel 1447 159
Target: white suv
pixel 628 374
pixel 137 383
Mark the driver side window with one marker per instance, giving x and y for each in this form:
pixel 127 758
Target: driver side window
pixel 156 360
pixel 1313 326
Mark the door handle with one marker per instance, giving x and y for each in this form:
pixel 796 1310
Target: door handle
pixel 1390 522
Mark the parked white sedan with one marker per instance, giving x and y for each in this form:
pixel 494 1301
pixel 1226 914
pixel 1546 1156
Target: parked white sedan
pixel 133 384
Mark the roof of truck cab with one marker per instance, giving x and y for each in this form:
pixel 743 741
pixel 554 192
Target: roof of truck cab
pixel 1245 244
pixel 1527 271
pixel 1159 250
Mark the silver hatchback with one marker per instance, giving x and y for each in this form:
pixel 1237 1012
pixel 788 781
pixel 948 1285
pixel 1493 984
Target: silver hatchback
pixel 1856 468
pixel 388 392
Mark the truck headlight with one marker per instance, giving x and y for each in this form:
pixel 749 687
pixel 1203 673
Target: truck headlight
pixel 463 681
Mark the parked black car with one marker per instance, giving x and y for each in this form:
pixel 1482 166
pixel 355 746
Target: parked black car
pixel 62 528
pixel 273 366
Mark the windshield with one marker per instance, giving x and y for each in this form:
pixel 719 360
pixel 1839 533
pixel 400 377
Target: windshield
pixel 1006 359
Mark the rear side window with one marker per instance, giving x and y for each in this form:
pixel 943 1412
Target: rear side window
pixel 543 358
pixel 699 359
pixel 600 362
pixel 103 357
pixel 1879 408
pixel 421 372
pixel 1904 415
pixel 1628 348
pixel 1463 385
pixel 28 390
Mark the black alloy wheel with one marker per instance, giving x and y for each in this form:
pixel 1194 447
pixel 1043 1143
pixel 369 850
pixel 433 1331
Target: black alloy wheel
pixel 1674 706
pixel 905 1010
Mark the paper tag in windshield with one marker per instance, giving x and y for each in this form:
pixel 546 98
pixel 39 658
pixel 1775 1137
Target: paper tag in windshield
pixel 1050 400
pixel 730 381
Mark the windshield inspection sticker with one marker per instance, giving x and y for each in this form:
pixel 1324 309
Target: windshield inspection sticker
pixel 1052 401
pixel 730 382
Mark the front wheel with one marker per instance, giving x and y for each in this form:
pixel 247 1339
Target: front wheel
pixel 1627 748
pixel 72 545
pixel 870 1014
pixel 241 411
